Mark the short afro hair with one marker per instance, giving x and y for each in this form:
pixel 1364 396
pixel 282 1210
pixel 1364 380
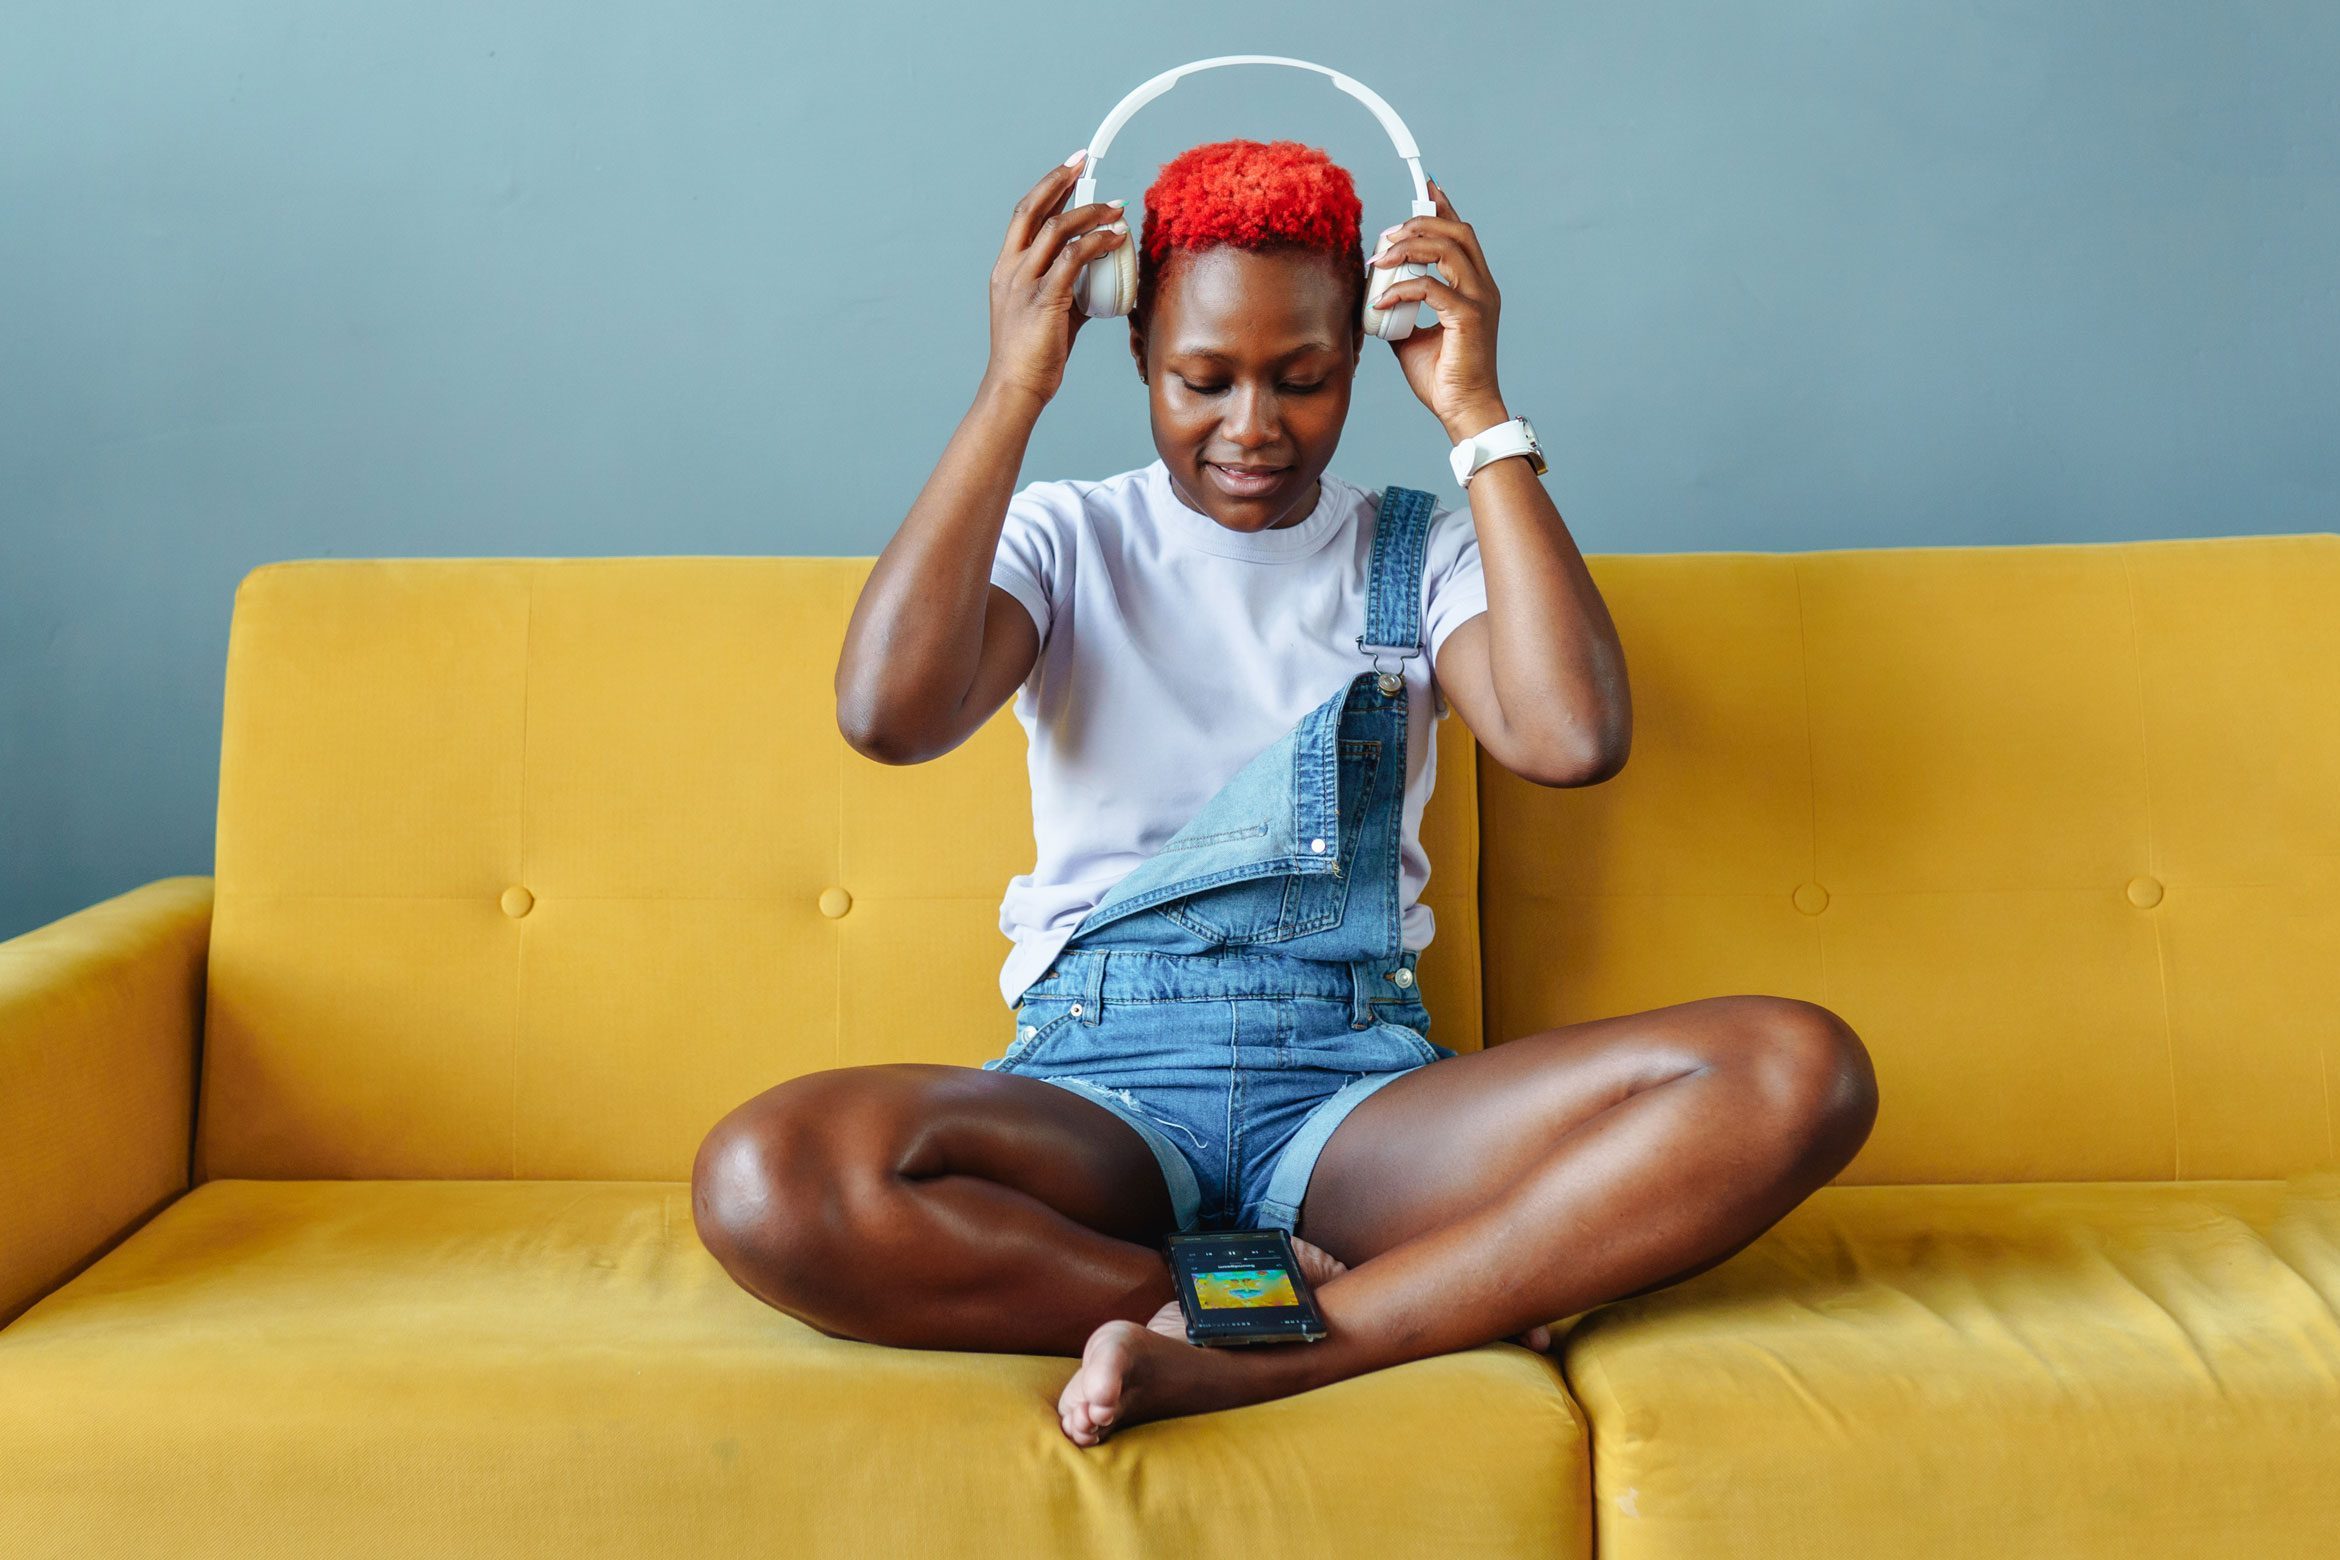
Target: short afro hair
pixel 1260 195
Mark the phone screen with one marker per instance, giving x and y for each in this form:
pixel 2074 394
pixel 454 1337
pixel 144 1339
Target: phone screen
pixel 1240 1286
pixel 1234 1286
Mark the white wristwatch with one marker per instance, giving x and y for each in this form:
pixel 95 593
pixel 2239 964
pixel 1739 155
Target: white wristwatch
pixel 1505 438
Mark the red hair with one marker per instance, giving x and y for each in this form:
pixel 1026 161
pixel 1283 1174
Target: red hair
pixel 1251 195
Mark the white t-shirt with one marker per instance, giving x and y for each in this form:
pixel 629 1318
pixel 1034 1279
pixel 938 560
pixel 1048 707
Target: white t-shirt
pixel 1174 651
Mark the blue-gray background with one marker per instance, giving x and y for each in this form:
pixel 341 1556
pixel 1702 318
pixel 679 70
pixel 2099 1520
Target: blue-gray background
pixel 289 279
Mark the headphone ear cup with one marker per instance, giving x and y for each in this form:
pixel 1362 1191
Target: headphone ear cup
pixel 1390 323
pixel 1107 285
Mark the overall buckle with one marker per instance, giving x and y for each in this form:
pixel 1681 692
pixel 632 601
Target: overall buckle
pixel 1388 682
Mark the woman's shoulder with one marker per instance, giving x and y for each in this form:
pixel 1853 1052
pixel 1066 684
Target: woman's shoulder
pixel 1067 507
pixel 1119 490
pixel 1371 495
pixel 1453 546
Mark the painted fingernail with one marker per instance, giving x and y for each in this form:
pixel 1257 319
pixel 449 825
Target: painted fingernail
pixel 1076 157
pixel 1117 204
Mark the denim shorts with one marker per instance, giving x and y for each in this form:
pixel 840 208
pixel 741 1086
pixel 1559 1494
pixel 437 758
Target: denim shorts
pixel 1234 1065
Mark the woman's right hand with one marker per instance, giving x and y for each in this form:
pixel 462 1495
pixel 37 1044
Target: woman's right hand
pixel 1034 315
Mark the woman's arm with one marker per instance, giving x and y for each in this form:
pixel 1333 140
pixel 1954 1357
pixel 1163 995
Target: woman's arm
pixel 1539 676
pixel 933 647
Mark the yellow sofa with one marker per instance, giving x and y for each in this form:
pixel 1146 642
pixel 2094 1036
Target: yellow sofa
pixel 343 1193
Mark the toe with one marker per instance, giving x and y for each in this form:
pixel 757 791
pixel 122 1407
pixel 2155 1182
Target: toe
pixel 1072 1404
pixel 1105 1407
pixel 1075 1418
pixel 1091 1400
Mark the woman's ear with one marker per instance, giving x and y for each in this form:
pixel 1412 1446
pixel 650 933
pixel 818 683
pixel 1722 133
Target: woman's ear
pixel 1137 350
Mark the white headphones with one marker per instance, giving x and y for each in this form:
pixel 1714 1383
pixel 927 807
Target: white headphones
pixel 1108 284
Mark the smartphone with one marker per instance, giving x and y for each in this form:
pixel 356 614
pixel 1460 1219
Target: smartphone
pixel 1242 1286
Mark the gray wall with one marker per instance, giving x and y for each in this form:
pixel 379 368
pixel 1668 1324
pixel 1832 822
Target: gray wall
pixel 288 280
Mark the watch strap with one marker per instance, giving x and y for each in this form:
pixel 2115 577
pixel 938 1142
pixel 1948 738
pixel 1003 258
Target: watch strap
pixel 1505 439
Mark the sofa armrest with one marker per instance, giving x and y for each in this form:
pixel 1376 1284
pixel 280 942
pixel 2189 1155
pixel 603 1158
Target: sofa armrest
pixel 100 1017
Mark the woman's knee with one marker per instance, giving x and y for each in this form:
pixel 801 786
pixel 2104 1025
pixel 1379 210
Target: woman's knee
pixel 786 1186
pixel 1813 1075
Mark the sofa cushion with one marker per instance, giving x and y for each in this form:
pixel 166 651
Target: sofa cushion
pixel 1922 1371
pixel 498 1367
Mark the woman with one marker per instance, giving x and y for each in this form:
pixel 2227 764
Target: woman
pixel 1159 629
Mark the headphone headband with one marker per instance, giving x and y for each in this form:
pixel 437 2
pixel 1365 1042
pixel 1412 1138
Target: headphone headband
pixel 1085 190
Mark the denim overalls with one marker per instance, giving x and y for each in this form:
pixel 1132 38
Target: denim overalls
pixel 1239 992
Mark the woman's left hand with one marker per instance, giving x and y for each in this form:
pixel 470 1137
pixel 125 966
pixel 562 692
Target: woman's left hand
pixel 1451 362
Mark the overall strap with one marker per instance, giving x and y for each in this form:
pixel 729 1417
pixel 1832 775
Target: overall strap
pixel 1393 580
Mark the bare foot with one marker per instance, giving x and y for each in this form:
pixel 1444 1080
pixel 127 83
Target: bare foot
pixel 1097 1399
pixel 1129 1374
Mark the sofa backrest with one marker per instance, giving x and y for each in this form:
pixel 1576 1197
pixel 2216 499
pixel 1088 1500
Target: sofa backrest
pixel 537 867
pixel 2056 828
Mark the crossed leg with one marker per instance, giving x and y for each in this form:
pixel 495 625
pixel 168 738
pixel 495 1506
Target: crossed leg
pixel 1487 1192
pixel 939 1207
pixel 930 1206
